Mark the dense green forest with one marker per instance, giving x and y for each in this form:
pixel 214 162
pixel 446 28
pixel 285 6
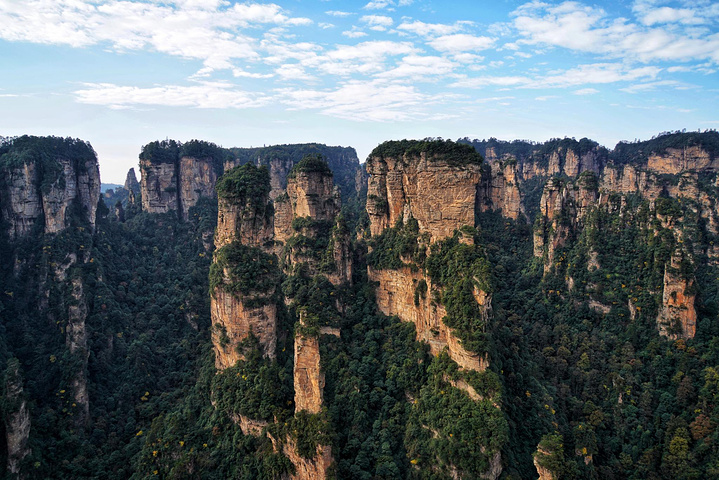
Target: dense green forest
pixel 577 365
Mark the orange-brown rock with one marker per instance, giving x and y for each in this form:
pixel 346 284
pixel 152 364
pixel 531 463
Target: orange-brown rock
pixel 500 189
pixel 562 208
pixel 283 218
pixel 314 469
pixel 676 160
pixel 309 379
pixel 395 296
pixel 249 426
pixel 677 316
pixel 312 194
pixel 544 473
pixel 232 322
pixel 250 223
pixel 440 195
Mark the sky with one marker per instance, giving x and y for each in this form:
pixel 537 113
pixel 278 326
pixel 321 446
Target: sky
pixel 121 73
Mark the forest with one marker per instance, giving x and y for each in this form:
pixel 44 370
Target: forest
pixel 580 381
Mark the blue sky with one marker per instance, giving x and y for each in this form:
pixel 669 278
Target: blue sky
pixel 354 73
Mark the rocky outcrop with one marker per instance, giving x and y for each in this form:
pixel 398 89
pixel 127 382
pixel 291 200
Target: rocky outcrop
pixel 243 239
pixel 177 184
pixel 562 209
pixel 439 193
pixel 233 319
pixel 131 183
pixel 677 316
pixel 396 296
pixel 308 469
pixel 309 379
pixel 17 419
pixel 312 194
pixel 543 472
pixel 49 191
pixel 76 341
pixel 159 185
pixel 250 223
pixel 500 187
pixel 22 202
pixel 307 211
pixel 197 179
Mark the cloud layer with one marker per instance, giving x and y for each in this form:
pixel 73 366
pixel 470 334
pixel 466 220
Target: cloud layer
pixel 377 63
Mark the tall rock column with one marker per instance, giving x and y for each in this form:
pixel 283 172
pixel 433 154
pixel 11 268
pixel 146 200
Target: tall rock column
pixel 311 211
pixel 244 276
pixel 17 419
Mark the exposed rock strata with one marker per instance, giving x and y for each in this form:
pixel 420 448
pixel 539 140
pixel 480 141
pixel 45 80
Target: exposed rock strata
pixel 677 316
pixel 441 196
pixel 33 196
pixel 395 296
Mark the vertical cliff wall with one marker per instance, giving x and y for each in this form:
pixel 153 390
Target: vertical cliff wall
pixel 309 230
pixel 17 419
pixel 244 276
pixel 48 182
pixel 435 188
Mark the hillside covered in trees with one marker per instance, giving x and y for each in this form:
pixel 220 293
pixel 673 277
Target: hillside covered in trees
pixel 470 309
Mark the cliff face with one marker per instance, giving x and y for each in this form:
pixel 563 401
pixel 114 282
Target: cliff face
pixel 159 186
pixel 315 469
pixel 249 223
pixel 309 380
pixel 439 194
pixel 562 209
pixel 396 296
pixel 243 240
pixel 314 202
pixel 177 184
pixel 197 179
pixel 17 420
pixel 233 318
pixel 677 316
pixel 76 341
pixel 42 191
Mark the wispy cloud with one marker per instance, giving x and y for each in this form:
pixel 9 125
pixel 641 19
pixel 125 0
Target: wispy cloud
pixel 204 95
pixel 583 28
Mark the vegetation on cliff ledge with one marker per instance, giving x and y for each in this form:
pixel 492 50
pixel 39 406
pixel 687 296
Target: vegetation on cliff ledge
pixel 245 184
pixel 455 154
pixel 313 163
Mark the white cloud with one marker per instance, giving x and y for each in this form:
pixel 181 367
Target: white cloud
pixel 418 67
pixel 339 13
pixel 377 22
pixel 586 91
pixel 210 31
pixel 648 86
pixel 375 100
pixel 382 4
pixel 429 29
pixel 461 42
pixel 582 28
pixel 354 33
pixel 499 81
pixel 381 20
pixel 590 74
pixel 294 71
pixel 204 95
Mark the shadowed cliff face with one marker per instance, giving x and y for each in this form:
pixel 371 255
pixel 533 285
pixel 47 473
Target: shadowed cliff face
pixel 46 181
